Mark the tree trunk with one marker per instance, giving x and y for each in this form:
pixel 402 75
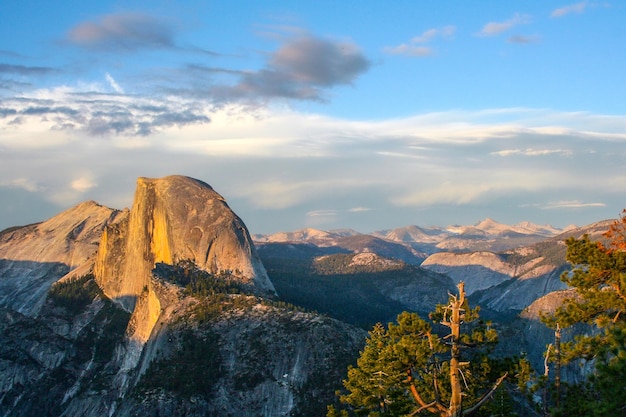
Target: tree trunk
pixel 455 408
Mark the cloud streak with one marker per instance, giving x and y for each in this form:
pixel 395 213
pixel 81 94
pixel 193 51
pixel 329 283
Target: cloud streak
pixel 416 47
pixel 574 204
pixel 533 152
pixel 114 85
pixel 125 32
pixel 572 8
pixel 24 70
pixel 496 28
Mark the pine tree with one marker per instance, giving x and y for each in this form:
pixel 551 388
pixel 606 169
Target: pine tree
pixel 599 277
pixel 407 369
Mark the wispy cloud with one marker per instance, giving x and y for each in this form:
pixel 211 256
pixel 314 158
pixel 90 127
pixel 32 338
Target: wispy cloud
pixel 285 160
pixel 573 204
pixel 114 85
pixel 24 70
pixel 572 8
pixel 321 213
pixel 409 50
pixel 83 184
pixel 496 28
pixel 359 209
pixel 532 152
pixel 521 39
pixel 416 47
pixel 23 183
pixel 125 32
pixel 445 32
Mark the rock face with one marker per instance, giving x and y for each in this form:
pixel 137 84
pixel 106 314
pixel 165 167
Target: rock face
pixel 35 256
pixel 478 270
pixel 174 219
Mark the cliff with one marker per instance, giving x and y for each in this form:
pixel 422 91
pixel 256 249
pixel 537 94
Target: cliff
pixel 35 256
pixel 479 270
pixel 176 219
pixel 173 219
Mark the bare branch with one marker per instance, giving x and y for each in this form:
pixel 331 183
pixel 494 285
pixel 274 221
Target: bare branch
pixel 486 396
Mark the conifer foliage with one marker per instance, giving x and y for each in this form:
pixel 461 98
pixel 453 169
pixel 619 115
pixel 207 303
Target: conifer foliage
pixel 599 277
pixel 407 369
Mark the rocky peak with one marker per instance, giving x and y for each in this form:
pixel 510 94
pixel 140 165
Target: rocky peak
pixel 173 219
pixel 33 257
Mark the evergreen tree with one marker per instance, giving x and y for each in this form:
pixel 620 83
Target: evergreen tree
pixel 407 369
pixel 599 277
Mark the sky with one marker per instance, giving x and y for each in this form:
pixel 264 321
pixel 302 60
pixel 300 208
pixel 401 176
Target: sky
pixel 324 114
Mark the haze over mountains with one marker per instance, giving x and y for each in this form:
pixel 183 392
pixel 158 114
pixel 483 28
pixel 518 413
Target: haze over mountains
pixel 485 235
pixel 172 307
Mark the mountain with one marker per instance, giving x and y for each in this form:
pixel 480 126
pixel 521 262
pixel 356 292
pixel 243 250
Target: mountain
pixel 315 236
pixel 172 219
pixel 511 280
pixel 413 244
pixel 163 309
pixel 33 257
pixel 345 240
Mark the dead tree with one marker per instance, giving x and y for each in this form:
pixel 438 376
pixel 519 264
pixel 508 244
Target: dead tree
pixel 454 316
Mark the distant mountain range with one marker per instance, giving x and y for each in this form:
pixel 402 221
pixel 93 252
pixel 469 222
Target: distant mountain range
pixel 512 272
pixel 487 235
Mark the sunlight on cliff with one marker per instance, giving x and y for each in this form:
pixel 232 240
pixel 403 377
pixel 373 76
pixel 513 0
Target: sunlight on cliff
pixel 146 313
pixel 160 244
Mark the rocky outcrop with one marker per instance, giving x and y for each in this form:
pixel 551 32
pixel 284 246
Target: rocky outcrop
pixel 479 270
pixel 35 256
pixel 172 219
pixel 520 292
pixel 547 304
pixel 508 281
pixel 175 219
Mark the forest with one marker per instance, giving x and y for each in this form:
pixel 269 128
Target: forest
pixel 443 365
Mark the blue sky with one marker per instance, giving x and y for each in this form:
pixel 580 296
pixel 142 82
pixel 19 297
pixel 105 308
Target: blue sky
pixel 318 114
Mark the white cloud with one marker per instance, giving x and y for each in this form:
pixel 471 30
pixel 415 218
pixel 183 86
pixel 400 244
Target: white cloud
pixel 572 8
pixel 23 183
pixel 409 50
pixel 533 152
pixel 321 213
pixel 359 209
pixel 82 184
pixel 416 48
pixel 496 28
pixel 470 185
pixel 573 204
pixel 430 34
pixel 286 163
pixel 114 85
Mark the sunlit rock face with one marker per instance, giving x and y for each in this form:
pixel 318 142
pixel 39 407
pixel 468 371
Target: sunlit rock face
pixel 173 219
pixel 479 270
pixel 35 256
